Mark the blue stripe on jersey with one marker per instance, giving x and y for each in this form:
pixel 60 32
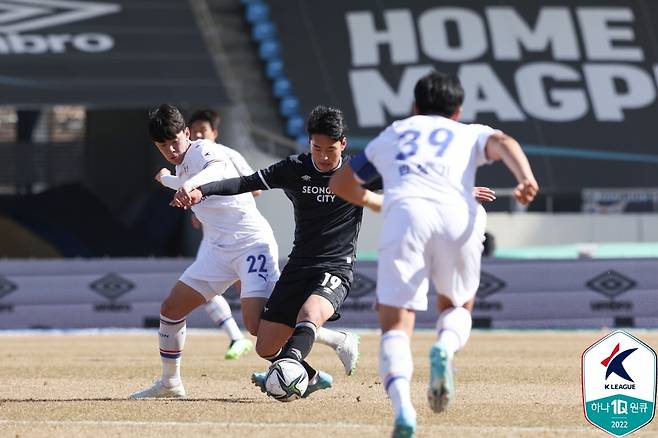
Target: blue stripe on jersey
pixel 363 168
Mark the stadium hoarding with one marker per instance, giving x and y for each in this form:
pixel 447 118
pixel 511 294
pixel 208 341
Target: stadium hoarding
pixel 574 81
pixel 108 54
pixel 579 294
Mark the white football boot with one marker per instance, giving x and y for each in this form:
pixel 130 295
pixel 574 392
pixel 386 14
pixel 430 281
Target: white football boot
pixel 348 352
pixel 158 390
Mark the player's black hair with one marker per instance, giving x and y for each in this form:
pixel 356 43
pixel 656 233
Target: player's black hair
pixel 438 93
pixel 165 122
pixel 205 115
pixel 327 121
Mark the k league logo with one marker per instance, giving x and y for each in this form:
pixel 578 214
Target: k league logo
pixel 619 383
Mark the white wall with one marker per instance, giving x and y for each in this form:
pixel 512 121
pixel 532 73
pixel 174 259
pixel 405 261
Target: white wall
pixel 529 229
pixel 510 229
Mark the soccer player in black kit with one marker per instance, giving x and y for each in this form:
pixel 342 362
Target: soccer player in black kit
pixel 317 278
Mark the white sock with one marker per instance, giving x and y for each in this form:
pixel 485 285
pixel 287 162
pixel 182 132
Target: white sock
pixel 172 340
pixel 454 329
pixel 331 338
pixel 219 311
pixel 396 368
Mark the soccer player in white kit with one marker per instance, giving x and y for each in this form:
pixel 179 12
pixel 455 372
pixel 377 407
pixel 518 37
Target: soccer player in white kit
pixel 433 229
pixel 204 124
pixel 239 245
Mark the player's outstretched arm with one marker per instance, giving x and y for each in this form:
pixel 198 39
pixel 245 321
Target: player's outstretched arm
pixel 186 197
pixel 501 146
pixel 165 178
pixel 345 184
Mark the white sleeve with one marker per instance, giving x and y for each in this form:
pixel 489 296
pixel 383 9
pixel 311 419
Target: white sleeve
pixel 241 165
pixel 214 171
pixel 484 132
pixel 384 140
pixel 171 181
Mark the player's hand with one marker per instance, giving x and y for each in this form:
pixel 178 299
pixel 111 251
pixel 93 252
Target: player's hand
pixel 484 194
pixel 185 199
pixel 526 191
pixel 161 173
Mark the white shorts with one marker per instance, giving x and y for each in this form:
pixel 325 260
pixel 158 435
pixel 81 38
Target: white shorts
pixel 216 268
pixel 422 240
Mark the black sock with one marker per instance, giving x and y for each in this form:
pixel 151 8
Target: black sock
pixel 300 343
pixel 309 370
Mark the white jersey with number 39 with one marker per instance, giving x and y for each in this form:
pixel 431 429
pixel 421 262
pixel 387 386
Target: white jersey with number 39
pixel 430 157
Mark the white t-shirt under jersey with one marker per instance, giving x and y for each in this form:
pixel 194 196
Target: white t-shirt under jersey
pixel 227 220
pixel 430 157
pixel 241 165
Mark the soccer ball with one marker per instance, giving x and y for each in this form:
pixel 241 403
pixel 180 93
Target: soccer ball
pixel 286 380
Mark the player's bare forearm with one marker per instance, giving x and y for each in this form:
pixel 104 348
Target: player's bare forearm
pixel 503 147
pixel 345 185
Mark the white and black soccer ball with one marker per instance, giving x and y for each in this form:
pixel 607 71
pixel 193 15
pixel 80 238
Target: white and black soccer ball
pixel 286 380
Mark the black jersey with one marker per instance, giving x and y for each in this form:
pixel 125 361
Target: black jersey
pixel 326 226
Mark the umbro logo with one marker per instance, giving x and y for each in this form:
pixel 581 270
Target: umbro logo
pixel 6 287
pixel 306 178
pixel 27 15
pixel 112 286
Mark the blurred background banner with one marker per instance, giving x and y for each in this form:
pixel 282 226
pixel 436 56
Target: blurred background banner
pixel 119 53
pixel 127 293
pixel 574 81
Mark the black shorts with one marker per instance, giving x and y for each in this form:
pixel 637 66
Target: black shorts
pixel 297 283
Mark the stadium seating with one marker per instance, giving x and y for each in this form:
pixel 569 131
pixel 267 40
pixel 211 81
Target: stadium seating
pixel 256 12
pixel 282 88
pixel 295 126
pixel 289 106
pixel 274 69
pixel 263 33
pixel 269 50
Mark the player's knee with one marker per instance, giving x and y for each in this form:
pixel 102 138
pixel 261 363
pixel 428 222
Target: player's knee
pixel 265 350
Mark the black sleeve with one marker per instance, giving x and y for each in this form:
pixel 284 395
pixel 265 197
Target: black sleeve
pixel 375 184
pixel 234 186
pixel 279 175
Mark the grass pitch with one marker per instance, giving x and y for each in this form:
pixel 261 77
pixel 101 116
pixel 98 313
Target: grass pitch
pixel 520 384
